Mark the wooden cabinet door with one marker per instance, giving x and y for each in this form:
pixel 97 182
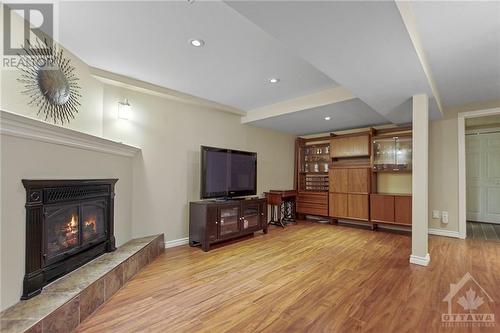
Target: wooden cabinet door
pixel 339 147
pixel 338 180
pixel 403 210
pixel 350 146
pixel 382 208
pixel 337 205
pixel 359 145
pixel 357 206
pixel 358 180
pixel 263 214
pixel 212 224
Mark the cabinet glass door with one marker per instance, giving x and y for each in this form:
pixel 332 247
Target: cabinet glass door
pixel 383 154
pixel 229 217
pixel 251 216
pixel 403 154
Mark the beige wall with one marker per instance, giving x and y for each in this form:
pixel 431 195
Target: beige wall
pixel 28 159
pixel 443 171
pixel 166 175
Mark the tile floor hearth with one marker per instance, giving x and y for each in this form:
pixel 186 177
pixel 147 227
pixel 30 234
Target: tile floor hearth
pixel 65 303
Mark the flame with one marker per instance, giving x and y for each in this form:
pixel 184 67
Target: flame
pixel 73 223
pixel 91 222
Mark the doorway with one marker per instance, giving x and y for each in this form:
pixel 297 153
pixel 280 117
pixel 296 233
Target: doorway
pixel 479 156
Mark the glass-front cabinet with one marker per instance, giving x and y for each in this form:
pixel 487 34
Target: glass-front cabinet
pixel 229 218
pixel 392 154
pixel 250 216
pixel 313 167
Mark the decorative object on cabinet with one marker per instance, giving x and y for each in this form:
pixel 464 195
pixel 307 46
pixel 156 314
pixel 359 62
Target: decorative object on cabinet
pixel 50 81
pixel 282 206
pixel 212 222
pixel 312 181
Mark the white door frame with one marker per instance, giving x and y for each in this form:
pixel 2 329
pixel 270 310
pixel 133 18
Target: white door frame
pixel 462 203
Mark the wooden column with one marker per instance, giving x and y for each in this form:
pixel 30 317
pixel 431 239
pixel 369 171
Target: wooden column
pixel 420 199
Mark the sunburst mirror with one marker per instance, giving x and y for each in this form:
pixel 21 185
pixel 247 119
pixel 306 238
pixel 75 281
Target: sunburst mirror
pixel 50 82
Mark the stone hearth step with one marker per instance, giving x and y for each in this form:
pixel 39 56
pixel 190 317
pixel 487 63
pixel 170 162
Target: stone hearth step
pixel 66 302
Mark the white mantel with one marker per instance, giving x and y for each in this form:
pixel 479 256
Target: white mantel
pixel 29 128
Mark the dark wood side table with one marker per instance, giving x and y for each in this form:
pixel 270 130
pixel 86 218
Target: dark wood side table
pixel 282 206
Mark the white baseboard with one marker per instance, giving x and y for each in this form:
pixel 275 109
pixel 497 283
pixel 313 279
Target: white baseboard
pixel 443 232
pixel 176 242
pixel 422 261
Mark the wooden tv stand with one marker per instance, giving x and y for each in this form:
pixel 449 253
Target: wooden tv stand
pixel 213 221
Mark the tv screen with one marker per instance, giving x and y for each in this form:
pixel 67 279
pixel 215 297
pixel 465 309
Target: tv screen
pixel 227 173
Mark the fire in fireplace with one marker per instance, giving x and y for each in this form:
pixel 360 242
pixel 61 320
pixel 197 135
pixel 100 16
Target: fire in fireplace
pixel 68 223
pixel 63 235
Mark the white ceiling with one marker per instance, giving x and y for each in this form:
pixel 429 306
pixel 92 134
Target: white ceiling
pixel 364 45
pixel 343 115
pixel 462 43
pixel 150 41
pixel 310 45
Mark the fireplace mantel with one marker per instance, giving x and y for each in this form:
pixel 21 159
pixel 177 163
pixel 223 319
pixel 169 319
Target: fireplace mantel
pixel 29 128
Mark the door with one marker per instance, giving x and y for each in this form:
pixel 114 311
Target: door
pixel 358 180
pixel 338 180
pixel 483 177
pixel 338 205
pixel 357 206
pixel 251 216
pixel 229 218
pixel 382 208
pixel 402 213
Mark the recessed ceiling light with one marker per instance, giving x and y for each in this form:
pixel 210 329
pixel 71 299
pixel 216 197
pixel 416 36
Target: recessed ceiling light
pixel 197 42
pixel 327 118
pixel 274 80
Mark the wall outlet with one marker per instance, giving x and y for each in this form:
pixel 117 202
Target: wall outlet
pixel 436 214
pixel 444 217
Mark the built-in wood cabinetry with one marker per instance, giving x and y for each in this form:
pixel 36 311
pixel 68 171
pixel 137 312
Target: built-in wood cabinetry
pixel 349 193
pixel 351 145
pixel 313 162
pixel 349 189
pixel 390 208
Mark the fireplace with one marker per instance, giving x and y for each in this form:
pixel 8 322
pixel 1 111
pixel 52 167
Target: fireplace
pixel 68 223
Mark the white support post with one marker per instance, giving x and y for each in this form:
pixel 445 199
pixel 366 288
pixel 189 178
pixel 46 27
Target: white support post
pixel 420 179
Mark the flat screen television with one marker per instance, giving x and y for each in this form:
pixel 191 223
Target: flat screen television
pixel 227 173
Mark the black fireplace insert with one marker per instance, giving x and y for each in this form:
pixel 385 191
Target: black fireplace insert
pixel 68 223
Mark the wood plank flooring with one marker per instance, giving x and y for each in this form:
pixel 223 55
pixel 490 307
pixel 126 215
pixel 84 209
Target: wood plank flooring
pixel 483 231
pixel 307 278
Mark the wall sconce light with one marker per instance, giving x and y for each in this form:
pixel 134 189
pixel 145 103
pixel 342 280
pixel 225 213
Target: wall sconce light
pixel 124 110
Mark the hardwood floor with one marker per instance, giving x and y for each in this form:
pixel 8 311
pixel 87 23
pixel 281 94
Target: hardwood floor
pixel 309 277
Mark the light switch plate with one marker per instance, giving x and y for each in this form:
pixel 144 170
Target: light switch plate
pixel 436 214
pixel 444 217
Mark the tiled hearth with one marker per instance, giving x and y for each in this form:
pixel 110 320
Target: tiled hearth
pixel 68 301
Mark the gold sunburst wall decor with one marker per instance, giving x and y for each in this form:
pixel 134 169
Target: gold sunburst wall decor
pixel 50 81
